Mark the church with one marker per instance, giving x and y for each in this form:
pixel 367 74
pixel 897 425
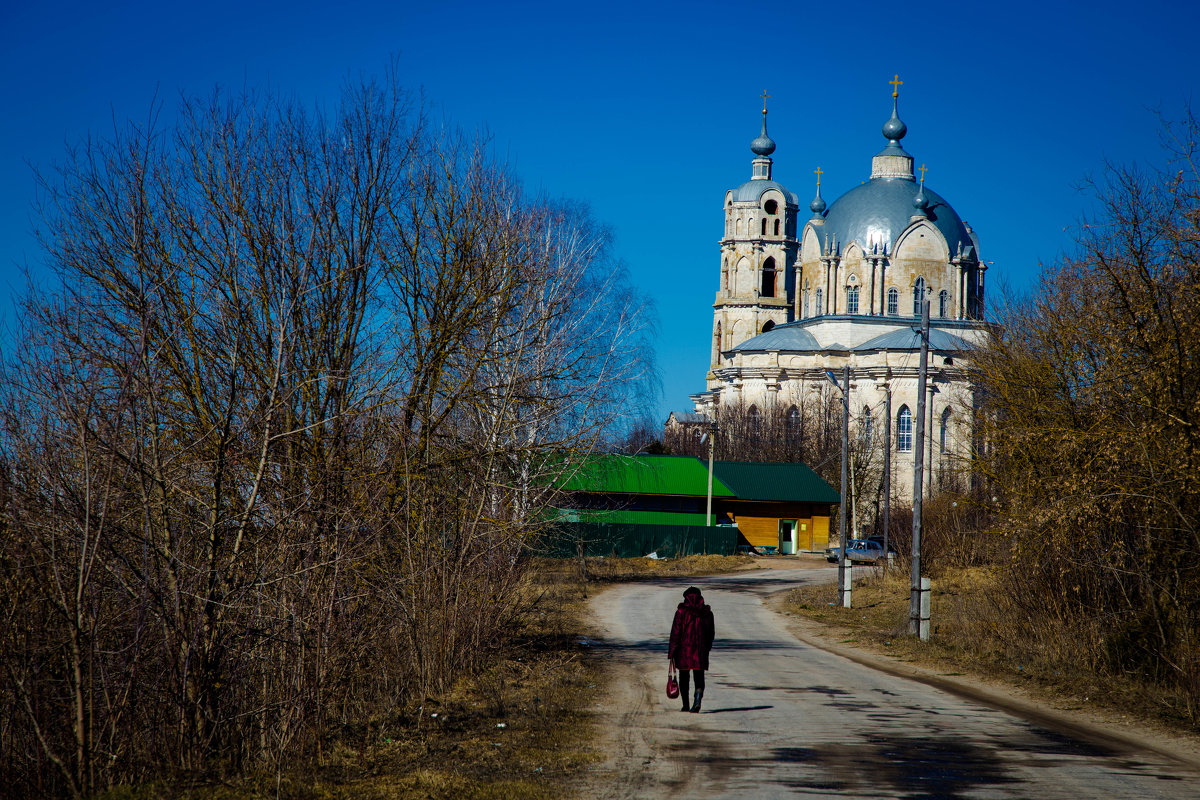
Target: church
pixel 843 284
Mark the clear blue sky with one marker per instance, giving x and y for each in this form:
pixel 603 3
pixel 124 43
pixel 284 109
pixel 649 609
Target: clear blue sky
pixel 646 110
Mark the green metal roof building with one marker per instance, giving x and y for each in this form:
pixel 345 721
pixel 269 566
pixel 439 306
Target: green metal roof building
pixel 781 506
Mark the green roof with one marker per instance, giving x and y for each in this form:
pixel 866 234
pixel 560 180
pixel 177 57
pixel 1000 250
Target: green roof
pixel 624 517
pixel 688 477
pixel 787 482
pixel 670 475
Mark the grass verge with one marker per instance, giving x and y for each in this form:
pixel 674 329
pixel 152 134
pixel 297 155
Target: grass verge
pixel 520 730
pixel 975 633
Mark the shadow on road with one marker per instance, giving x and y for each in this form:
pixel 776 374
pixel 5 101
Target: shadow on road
pixel 753 582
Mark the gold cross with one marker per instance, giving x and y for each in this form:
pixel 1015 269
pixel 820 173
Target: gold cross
pixel 896 84
pixel 764 96
pixel 819 171
pixel 923 168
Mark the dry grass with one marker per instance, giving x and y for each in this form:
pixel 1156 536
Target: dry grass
pixel 611 570
pixel 521 729
pixel 975 632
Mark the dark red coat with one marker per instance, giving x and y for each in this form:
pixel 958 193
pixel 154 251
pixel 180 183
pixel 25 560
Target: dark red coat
pixel 691 634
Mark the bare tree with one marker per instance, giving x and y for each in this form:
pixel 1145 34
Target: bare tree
pixel 1092 400
pixel 292 409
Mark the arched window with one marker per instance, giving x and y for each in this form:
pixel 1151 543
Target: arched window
pixel 944 304
pixel 904 430
pixel 918 297
pixel 776 227
pixel 944 432
pixel 768 278
pixel 754 419
pixel 852 300
pixel 893 303
pixel 820 309
pixel 768 325
pixel 804 309
pixel 764 226
pixel 739 226
pixel 794 422
pixel 866 427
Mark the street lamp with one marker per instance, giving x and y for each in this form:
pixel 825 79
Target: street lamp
pixel 919 593
pixel 844 569
pixel 712 443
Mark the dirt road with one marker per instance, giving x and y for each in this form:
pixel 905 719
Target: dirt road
pixel 782 718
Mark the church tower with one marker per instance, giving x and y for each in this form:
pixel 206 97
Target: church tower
pixel 758 255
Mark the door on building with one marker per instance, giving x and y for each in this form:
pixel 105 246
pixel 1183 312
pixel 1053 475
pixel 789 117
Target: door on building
pixel 804 537
pixel 787 536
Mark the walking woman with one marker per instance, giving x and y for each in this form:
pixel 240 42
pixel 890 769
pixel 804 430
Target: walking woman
pixel 691 639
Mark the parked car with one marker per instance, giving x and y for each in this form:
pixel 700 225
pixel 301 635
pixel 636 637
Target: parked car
pixel 858 551
pixel 891 545
pixel 861 551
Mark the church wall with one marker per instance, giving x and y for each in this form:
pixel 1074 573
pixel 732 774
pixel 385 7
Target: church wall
pixel 780 380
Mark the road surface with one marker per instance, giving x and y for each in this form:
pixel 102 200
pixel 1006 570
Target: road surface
pixel 784 719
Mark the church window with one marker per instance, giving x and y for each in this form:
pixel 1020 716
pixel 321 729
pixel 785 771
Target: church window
pixel 866 428
pixel 793 420
pixel 820 309
pixel 893 303
pixel 770 206
pixel 768 325
pixel 754 419
pixel 918 297
pixel 904 430
pixel 852 300
pixel 738 228
pixel 764 226
pixel 943 433
pixel 768 278
pixel 776 227
pixel 944 303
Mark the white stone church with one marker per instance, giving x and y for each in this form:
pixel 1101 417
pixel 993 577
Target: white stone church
pixel 844 286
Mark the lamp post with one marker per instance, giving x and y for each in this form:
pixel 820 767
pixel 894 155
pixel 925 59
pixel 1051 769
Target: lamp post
pixel 919 598
pixel 712 443
pixel 844 569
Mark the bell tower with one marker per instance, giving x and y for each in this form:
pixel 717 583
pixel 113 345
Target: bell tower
pixel 758 255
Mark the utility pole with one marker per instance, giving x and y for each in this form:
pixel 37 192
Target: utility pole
pixel 887 473
pixel 918 608
pixel 844 568
pixel 712 443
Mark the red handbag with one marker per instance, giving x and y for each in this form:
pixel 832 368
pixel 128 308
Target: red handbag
pixel 672 684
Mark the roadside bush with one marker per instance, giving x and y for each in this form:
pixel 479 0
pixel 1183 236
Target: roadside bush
pixel 1092 424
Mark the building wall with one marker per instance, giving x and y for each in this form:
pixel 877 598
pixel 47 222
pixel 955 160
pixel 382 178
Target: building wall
pixel 782 380
pixel 759 522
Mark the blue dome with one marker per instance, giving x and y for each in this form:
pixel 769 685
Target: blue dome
pixel 789 336
pixel 752 190
pixel 879 210
pixel 764 145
